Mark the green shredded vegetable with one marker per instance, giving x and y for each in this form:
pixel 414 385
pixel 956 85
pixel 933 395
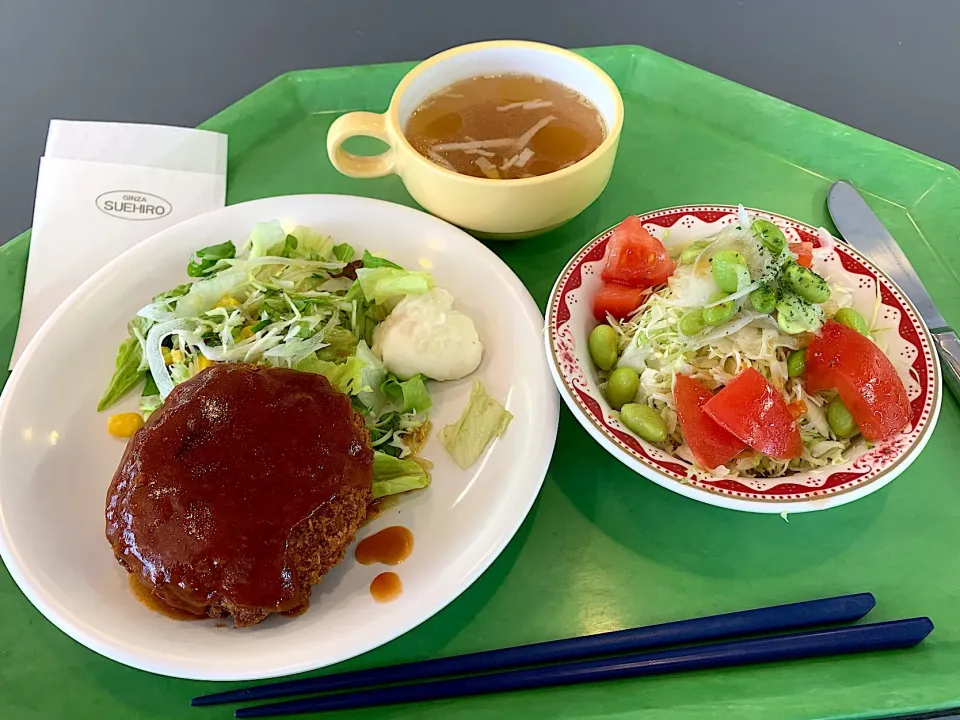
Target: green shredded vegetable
pixel 282 300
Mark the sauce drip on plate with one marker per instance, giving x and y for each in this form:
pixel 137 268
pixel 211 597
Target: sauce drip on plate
pixel 151 601
pixel 386 587
pixel 390 546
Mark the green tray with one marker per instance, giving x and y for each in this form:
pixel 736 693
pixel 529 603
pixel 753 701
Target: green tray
pixel 603 548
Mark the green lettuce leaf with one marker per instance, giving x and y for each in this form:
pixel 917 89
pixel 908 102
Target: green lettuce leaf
pixel 410 396
pixel 374 374
pixel 150 400
pixel 482 420
pixel 341 344
pixel 343 252
pixel 290 244
pixel 392 475
pixel 206 293
pixel 203 262
pixel 310 245
pixel 177 292
pixel 149 387
pixel 381 284
pixel 368 315
pixel 264 237
pixel 126 374
pixel 346 377
pixel 138 329
pixel 375 261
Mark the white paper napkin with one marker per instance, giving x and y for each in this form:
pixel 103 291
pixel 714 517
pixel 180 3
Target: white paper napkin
pixel 103 188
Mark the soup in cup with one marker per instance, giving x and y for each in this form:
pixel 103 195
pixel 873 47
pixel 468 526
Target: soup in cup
pixel 507 138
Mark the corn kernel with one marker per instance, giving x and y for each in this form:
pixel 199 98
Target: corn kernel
pixel 227 302
pixel 166 355
pixel 246 333
pixel 124 425
pixel 176 356
pixel 203 362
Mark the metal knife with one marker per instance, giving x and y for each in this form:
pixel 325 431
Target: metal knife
pixel 860 227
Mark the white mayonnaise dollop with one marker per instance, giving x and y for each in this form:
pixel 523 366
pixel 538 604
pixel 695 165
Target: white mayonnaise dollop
pixel 424 334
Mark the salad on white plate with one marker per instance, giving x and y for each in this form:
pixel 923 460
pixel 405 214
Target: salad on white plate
pixel 299 300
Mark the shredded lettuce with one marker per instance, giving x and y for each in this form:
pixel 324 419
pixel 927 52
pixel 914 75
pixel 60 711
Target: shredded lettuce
pixel 482 420
pixel 282 301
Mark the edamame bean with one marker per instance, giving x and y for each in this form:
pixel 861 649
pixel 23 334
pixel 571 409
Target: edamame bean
pixel 840 419
pixel 644 421
pixel 770 235
pixel 692 323
pixel 730 270
pixel 806 283
pixel 796 315
pixel 763 299
pixel 797 363
pixel 692 251
pixel 719 314
pixel 852 319
pixel 602 344
pixel 622 385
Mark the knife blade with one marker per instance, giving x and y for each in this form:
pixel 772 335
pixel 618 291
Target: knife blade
pixel 860 227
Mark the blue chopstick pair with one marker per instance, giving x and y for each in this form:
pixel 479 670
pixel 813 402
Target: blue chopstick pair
pixel 613 664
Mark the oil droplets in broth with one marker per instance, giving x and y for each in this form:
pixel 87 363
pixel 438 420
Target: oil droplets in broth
pixel 506 127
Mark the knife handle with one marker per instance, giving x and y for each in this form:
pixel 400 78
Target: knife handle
pixel 948 348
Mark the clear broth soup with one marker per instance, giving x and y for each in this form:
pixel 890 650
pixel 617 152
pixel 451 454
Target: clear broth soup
pixel 506 127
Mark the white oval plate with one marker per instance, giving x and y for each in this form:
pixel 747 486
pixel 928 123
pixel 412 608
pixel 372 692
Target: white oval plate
pixel 570 319
pixel 56 459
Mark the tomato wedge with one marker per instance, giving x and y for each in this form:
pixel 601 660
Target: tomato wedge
pixel 635 258
pixel 804 253
pixel 710 444
pixel 753 410
pixel 617 300
pixel 866 380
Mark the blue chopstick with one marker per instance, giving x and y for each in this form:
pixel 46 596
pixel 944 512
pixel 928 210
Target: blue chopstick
pixel 793 616
pixel 838 641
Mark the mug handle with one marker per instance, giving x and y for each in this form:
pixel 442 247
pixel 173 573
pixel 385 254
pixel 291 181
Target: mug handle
pixel 359 123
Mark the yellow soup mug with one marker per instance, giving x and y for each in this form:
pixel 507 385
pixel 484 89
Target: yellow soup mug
pixel 492 208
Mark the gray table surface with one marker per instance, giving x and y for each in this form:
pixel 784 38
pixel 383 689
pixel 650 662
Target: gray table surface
pixel 885 66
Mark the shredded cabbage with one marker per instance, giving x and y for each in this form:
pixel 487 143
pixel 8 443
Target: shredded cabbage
pixel 652 344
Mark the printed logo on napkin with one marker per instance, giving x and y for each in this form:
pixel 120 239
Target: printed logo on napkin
pixel 134 205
